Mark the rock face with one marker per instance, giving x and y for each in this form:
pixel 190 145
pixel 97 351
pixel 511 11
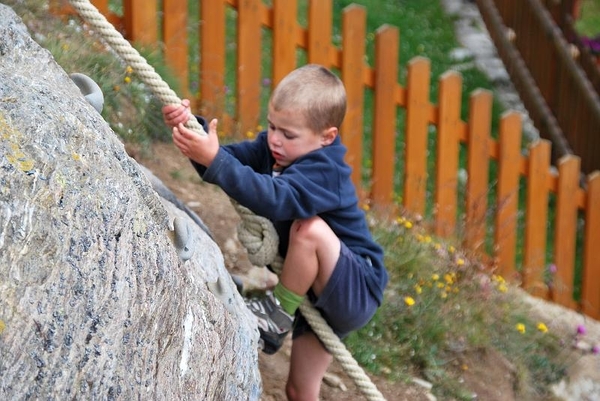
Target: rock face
pixel 94 301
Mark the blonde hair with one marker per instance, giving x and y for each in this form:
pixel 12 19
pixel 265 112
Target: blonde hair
pixel 316 92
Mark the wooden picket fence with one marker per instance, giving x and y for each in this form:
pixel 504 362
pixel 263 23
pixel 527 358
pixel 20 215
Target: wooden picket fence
pixel 577 207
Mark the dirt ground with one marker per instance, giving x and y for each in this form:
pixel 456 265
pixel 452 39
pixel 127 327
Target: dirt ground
pixel 214 208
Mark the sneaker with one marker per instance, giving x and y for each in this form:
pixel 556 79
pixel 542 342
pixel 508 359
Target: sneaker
pixel 273 322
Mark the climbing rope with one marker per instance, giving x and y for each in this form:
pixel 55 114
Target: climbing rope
pixel 256 233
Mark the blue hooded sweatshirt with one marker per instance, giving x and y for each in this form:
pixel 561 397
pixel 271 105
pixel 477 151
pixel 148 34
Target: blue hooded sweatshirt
pixel 316 184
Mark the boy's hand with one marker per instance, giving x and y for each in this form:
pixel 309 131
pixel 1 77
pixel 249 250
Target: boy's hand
pixel 174 115
pixel 200 148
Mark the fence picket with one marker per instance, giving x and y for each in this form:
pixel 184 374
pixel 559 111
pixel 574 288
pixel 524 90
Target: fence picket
pixel 354 28
pixel 102 6
pixel 565 230
pixel 249 64
pixel 175 41
pixel 384 125
pixel 450 93
pixel 285 33
pixel 536 218
pixel 140 21
pixel 417 122
pixel 212 56
pixel 478 143
pixel 507 194
pixel 320 17
pixel 590 296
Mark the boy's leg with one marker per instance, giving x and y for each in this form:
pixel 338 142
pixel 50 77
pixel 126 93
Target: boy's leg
pixel 312 256
pixel 313 252
pixel 308 364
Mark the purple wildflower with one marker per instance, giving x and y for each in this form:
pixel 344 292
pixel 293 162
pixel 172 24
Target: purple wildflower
pixel 581 330
pixel 596 349
pixel 592 43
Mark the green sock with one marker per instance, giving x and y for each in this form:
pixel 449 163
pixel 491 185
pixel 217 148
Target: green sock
pixel 288 300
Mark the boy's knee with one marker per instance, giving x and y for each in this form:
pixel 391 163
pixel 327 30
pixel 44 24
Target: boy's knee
pixel 294 393
pixel 307 229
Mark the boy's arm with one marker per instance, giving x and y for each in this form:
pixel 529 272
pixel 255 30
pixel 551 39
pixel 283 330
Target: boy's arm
pixel 306 189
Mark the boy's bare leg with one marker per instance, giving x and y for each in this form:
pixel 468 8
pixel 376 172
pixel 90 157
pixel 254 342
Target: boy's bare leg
pixel 313 252
pixel 308 364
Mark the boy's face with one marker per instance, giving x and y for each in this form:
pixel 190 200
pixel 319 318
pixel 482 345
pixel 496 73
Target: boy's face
pixel 290 137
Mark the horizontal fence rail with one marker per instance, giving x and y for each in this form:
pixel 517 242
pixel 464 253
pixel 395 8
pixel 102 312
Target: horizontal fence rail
pixel 492 162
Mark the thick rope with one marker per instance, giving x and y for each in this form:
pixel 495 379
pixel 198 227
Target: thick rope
pixel 256 233
pixel 124 49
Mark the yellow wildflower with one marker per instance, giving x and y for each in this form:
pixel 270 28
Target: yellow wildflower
pixel 542 327
pixel 127 80
pixel 435 277
pixel 520 328
pixel 128 69
pixel 409 301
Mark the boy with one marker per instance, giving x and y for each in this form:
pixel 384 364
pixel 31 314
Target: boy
pixel 294 174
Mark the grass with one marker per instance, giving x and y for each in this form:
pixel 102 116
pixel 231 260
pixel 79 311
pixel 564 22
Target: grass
pixel 589 22
pixel 441 302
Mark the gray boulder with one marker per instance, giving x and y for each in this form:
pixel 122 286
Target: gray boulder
pixel 95 302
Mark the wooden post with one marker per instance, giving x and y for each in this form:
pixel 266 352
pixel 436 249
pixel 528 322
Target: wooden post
pixel 417 123
pixel 384 126
pixel 248 64
pixel 212 57
pixel 478 143
pixel 536 218
pixel 507 194
pixel 319 32
pixel 175 40
pixel 353 33
pixel 590 295
pixel 285 32
pixel 450 95
pixel 141 21
pixel 565 230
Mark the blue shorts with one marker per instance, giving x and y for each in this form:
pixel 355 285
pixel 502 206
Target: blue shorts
pixel 346 302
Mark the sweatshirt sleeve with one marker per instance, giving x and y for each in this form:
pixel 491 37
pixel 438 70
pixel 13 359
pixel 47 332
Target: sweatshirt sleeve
pixel 304 190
